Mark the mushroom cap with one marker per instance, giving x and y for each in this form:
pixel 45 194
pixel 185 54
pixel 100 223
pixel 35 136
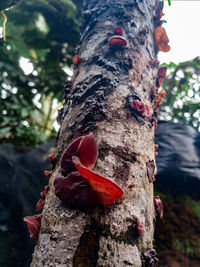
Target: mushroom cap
pixel 161 39
pixel 88 151
pixel 40 204
pixel 118 31
pixel 85 148
pixel 142 108
pixel 66 163
pixel 117 42
pixel 33 224
pixel 75 191
pixel 162 71
pixel 139 227
pixel 76 60
pixel 107 190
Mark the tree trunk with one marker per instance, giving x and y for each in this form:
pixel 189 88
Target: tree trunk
pixel 102 87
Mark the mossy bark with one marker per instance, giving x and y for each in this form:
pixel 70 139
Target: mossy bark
pixel 102 87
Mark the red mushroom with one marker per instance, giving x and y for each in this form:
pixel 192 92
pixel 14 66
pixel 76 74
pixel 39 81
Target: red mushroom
pixel 76 60
pixel 107 190
pixel 40 204
pixel 43 193
pixel 87 151
pixel 162 71
pixel 75 191
pixel 117 42
pixel 66 164
pixel 47 173
pixel 52 156
pixel 85 148
pixel 33 224
pixel 159 14
pixel 84 188
pixel 118 31
pixel 139 227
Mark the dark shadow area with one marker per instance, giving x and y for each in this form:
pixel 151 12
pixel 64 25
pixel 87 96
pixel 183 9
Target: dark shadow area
pixel 21 181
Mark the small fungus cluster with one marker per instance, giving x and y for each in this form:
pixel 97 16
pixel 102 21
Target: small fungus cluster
pixel 34 222
pixel 76 60
pixel 117 41
pixel 79 186
pixel 140 107
pixel 155 147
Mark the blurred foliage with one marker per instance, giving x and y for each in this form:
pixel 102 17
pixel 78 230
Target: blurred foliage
pixel 41 36
pixel 182 86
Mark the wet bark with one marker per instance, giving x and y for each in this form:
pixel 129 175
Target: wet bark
pixel 102 87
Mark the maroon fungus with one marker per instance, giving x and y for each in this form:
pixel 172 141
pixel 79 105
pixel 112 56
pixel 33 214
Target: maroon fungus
pixel 84 188
pixel 107 190
pixel 117 42
pixel 33 224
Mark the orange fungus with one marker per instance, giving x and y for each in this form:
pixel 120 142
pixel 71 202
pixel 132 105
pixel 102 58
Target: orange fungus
pixel 161 39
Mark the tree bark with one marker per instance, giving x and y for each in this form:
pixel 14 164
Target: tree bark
pixel 102 87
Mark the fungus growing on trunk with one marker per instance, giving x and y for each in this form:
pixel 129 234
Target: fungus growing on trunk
pixel 118 31
pixel 162 71
pixel 47 173
pixel 160 76
pixel 159 14
pixel 139 227
pixel 85 148
pixel 52 156
pixel 33 224
pixel 87 151
pixel 159 98
pixel 43 193
pixel 76 60
pixel 140 107
pixel 161 39
pixel 84 188
pixel 117 42
pixel 66 163
pixel 40 204
pixel 75 191
pixel 107 190
pixel 158 206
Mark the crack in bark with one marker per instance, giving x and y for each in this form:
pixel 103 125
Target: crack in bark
pixel 87 251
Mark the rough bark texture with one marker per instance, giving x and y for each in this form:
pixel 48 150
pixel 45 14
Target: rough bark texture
pixel 7 3
pixel 102 87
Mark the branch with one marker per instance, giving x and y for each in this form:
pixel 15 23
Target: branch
pixel 4 4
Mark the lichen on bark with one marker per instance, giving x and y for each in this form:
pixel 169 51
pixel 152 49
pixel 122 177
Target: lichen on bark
pixel 102 84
